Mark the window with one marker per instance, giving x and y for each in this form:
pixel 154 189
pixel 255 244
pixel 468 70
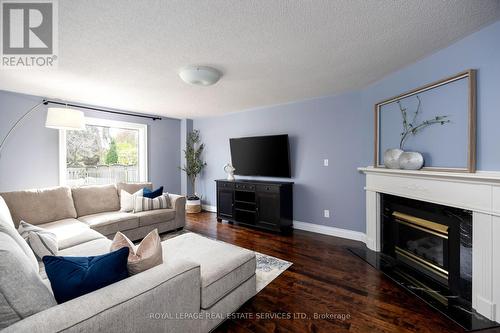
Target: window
pixel 107 152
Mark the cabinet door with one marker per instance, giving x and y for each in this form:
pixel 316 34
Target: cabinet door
pixel 225 204
pixel 268 208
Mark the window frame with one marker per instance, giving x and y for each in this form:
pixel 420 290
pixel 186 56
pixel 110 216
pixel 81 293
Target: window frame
pixel 142 156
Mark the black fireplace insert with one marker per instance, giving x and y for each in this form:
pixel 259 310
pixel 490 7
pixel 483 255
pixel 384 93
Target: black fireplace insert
pixel 433 242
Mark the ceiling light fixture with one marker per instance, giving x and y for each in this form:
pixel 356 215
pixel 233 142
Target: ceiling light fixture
pixel 200 75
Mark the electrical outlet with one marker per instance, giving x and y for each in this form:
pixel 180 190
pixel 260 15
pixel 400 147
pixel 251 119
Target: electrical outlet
pixel 326 213
pixel 325 162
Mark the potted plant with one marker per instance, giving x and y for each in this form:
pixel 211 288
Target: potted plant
pixel 193 167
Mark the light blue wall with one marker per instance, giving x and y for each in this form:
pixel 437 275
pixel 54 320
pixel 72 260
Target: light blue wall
pixel 480 51
pixel 441 145
pixel 341 128
pixel 30 157
pixel 334 128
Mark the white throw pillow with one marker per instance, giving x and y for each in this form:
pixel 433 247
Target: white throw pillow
pixel 42 242
pixel 146 255
pixel 127 200
pixel 143 204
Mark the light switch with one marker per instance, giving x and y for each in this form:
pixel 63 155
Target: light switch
pixel 325 162
pixel 326 213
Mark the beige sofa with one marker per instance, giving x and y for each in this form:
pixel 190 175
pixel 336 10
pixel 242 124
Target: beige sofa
pixel 200 282
pixel 61 209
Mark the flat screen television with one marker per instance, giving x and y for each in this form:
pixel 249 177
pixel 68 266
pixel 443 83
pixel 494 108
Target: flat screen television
pixel 267 156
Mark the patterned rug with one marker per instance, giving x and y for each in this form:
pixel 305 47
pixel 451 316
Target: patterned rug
pixel 268 267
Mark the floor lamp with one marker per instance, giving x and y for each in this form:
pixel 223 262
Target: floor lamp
pixel 57 118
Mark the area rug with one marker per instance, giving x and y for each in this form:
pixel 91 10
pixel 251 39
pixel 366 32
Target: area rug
pixel 268 267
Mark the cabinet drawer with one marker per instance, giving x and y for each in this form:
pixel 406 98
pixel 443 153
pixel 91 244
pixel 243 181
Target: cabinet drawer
pixel 225 185
pixel 268 188
pixel 248 187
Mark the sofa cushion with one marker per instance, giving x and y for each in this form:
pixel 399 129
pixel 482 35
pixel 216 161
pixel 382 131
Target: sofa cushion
pixel 142 257
pixel 133 187
pixel 22 292
pixel 7 227
pixel 153 194
pixel 72 277
pixel 142 204
pixel 91 248
pixel 5 213
pixel 71 232
pixel 41 241
pixel 110 222
pixel 95 199
pixel 127 200
pixel 40 206
pixel 223 266
pixel 155 216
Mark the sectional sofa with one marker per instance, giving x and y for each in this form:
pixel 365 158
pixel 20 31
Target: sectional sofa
pixel 200 282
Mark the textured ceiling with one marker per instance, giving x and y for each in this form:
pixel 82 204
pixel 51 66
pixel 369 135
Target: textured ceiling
pixel 126 54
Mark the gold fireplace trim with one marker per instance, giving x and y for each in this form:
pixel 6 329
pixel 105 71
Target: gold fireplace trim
pixel 434 228
pixel 422 262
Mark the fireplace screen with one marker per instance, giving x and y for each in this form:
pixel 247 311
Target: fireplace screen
pixel 423 243
pixel 432 243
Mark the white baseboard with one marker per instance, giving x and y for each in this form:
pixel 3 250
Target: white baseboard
pixel 209 208
pixel 317 228
pixel 331 231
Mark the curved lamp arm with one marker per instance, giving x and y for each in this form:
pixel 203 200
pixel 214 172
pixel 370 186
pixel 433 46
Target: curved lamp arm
pixel 18 122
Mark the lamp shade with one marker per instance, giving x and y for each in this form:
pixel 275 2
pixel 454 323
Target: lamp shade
pixel 65 118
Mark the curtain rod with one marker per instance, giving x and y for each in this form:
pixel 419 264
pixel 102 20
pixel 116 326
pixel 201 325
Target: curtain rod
pixel 47 101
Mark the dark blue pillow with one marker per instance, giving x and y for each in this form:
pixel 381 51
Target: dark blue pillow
pixel 71 277
pixel 147 193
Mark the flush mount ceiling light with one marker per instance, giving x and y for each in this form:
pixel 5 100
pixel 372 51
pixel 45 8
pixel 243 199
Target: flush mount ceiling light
pixel 200 75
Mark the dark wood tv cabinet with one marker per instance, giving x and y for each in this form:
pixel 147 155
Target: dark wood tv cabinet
pixel 262 204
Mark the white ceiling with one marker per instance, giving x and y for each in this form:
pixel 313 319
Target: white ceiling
pixel 126 54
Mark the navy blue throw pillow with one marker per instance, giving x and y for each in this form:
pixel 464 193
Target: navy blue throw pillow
pixel 72 277
pixel 147 193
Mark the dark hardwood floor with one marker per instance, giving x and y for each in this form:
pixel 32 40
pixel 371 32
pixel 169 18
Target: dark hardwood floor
pixel 324 279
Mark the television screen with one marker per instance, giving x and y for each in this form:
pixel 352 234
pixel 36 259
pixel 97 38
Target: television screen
pixel 267 156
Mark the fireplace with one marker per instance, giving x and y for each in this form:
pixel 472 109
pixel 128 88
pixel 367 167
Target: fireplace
pixel 432 244
pixel 445 198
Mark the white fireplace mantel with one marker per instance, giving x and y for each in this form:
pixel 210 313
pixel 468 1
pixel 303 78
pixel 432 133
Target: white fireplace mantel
pixel 478 192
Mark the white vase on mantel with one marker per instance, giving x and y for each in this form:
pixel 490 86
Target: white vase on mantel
pixel 391 158
pixel 411 160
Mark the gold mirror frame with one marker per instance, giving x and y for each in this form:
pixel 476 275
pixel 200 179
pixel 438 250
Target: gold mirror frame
pixel 470 75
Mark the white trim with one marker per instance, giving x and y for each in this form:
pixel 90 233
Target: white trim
pixel 478 192
pixel 142 147
pixel 316 228
pixel 331 231
pixel 477 177
pixel 209 208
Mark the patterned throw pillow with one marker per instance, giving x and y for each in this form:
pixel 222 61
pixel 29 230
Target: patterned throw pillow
pixel 146 255
pixel 143 204
pixel 127 200
pixel 42 242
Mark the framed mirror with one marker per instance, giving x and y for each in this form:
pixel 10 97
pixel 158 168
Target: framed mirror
pixel 437 120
